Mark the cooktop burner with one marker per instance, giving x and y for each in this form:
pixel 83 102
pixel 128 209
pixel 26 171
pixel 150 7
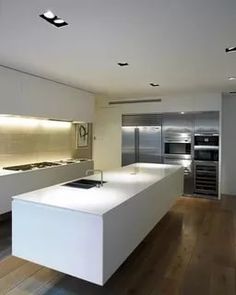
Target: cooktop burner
pixel 26 167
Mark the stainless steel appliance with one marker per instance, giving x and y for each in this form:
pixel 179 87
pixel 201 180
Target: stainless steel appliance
pixel 141 138
pixel 206 178
pixel 206 153
pixel 177 145
pixel 141 144
pixel 206 139
pixel 206 147
pixel 187 139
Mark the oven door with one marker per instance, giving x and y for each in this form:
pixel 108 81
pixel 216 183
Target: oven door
pixel 178 149
pixel 206 155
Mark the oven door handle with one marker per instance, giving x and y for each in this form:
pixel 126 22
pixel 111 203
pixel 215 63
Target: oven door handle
pixel 177 141
pixel 206 147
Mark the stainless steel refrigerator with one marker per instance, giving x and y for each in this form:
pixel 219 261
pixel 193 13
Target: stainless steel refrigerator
pixel 141 144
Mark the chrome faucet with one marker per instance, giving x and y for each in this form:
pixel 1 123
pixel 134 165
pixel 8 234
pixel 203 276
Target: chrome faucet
pixel 95 170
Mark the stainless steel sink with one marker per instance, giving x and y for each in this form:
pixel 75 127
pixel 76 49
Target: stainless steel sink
pixel 84 183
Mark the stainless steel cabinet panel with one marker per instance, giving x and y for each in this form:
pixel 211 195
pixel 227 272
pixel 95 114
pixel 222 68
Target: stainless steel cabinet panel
pixel 188 172
pixel 207 122
pixel 175 124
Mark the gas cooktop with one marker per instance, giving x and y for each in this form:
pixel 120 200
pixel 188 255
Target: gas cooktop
pixel 32 166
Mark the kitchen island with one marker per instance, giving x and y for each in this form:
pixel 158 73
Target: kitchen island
pixel 88 233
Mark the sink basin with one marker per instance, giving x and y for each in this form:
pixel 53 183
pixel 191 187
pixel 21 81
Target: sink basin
pixel 84 183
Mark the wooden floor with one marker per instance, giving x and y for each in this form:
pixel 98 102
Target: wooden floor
pixel 191 251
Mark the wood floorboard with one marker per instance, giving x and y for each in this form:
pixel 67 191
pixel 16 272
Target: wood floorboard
pixel 39 283
pixel 222 280
pixel 191 251
pixel 17 276
pixel 9 265
pixel 5 237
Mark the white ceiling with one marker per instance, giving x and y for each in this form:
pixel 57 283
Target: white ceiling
pixel 177 43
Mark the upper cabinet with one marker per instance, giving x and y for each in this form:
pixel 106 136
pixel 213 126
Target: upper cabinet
pixel 177 123
pixel 22 94
pixel 199 122
pixel 206 122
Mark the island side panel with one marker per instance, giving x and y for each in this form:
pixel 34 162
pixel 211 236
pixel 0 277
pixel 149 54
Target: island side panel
pixel 127 225
pixel 64 240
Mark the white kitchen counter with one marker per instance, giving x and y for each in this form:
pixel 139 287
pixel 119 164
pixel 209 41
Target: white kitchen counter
pixel 89 233
pixel 122 184
pixel 17 182
pixel 9 172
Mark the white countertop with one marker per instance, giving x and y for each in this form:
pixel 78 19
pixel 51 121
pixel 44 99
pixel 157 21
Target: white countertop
pixel 9 172
pixel 122 184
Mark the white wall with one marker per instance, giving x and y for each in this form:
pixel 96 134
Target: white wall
pixel 23 94
pixel 228 185
pixel 107 135
pixel 107 128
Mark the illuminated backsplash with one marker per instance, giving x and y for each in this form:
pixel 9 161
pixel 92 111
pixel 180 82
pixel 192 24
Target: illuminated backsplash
pixel 18 122
pixel 26 140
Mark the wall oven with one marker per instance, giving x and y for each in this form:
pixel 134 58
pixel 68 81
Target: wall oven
pixel 206 147
pixel 207 153
pixel 178 151
pixel 178 147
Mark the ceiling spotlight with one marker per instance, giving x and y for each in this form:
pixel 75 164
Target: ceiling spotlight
pixel 182 113
pixel 232 78
pixel 50 17
pixel 122 64
pixel 59 21
pixel 49 14
pixel 230 49
pixel 154 84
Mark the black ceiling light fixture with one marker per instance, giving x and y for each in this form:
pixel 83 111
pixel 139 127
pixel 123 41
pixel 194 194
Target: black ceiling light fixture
pixel 50 17
pixel 230 49
pixel 154 84
pixel 122 64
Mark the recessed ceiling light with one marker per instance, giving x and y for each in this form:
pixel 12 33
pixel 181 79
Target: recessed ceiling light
pixel 50 17
pixel 59 21
pixel 49 14
pixel 182 113
pixel 154 84
pixel 230 49
pixel 122 64
pixel 232 78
